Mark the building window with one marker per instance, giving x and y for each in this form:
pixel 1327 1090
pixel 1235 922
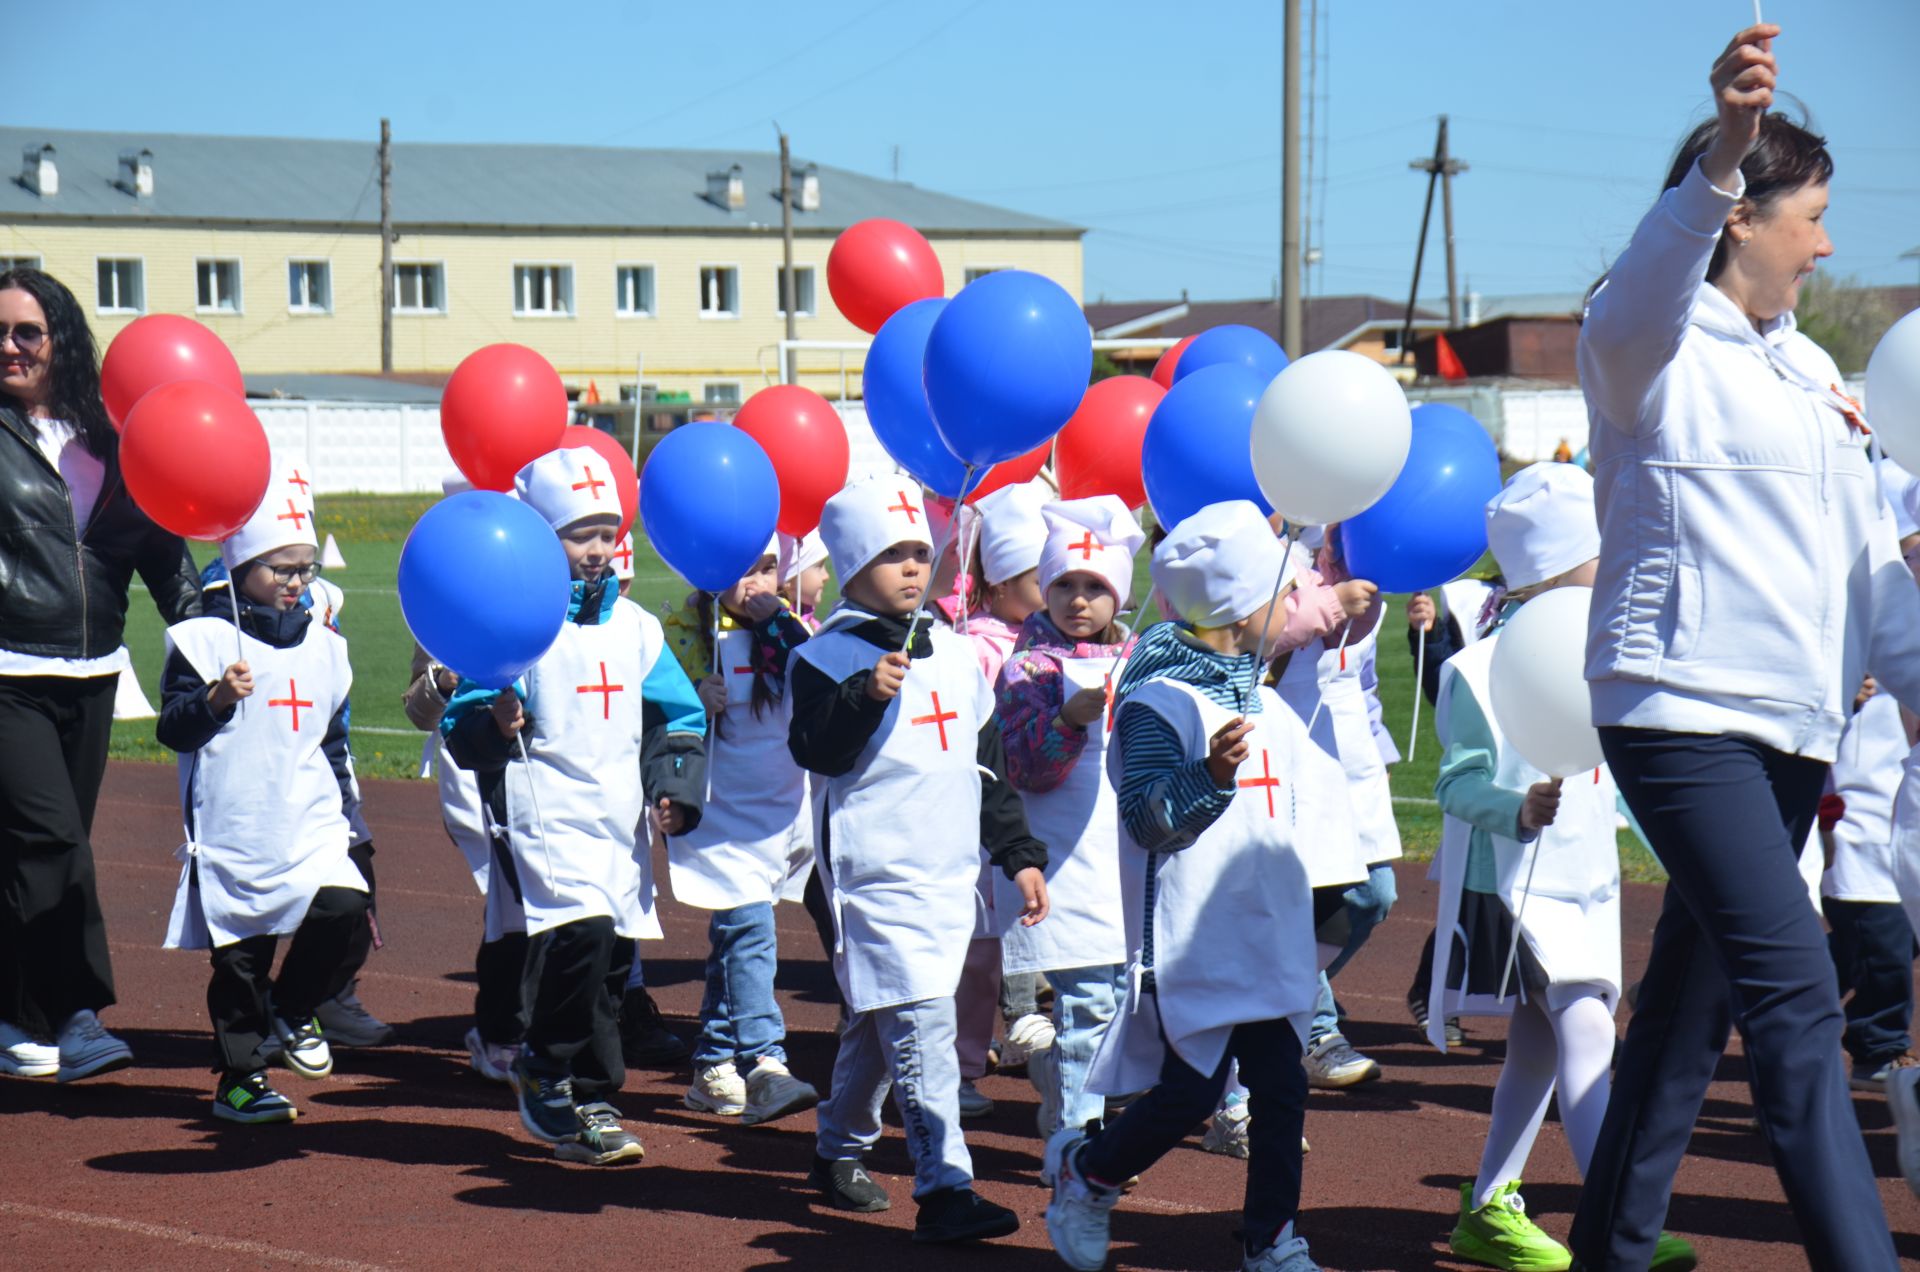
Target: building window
pixel 719 291
pixel 309 287
pixel 18 262
pixel 633 291
pixel 123 287
pixel 419 288
pixel 627 390
pixel 981 271
pixel 802 291
pixel 721 393
pixel 1390 340
pixel 542 291
pixel 217 286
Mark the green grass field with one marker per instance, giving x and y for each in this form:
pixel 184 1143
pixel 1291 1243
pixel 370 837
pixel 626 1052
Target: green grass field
pixel 371 529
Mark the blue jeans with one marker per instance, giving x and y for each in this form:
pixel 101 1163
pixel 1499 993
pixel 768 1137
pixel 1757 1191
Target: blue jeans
pixel 1368 905
pixel 739 1019
pixel 1085 1000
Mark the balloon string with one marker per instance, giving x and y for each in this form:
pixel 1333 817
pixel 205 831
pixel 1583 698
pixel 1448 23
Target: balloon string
pixel 533 793
pixel 713 602
pixel 239 644
pixel 963 578
pixel 1320 704
pixel 939 551
pixel 1419 692
pixel 1260 650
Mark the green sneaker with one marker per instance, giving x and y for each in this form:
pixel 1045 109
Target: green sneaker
pixel 1671 1254
pixel 1499 1235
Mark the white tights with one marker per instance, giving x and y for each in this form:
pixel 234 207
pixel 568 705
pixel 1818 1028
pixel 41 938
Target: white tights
pixel 1572 1047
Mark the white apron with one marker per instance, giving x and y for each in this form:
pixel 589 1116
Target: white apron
pixel 1570 919
pixel 741 853
pixel 900 831
pixel 1348 723
pixel 1330 839
pixel 265 825
pixel 575 811
pixel 460 810
pixel 1232 913
pixel 1079 822
pixel 1906 838
pixel 1464 599
pixel 1866 774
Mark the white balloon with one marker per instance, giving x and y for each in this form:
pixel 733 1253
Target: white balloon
pixel 1539 682
pixel 1330 435
pixel 1893 391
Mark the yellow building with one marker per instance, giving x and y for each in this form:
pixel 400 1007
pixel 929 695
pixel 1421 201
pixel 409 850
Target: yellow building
pixel 611 263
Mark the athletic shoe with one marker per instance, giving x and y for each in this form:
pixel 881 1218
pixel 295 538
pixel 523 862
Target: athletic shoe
pixel 546 1103
pixel 349 1024
pixel 1081 1212
pixel 951 1215
pixel 1417 1008
pixel 1873 1074
pixel 250 1099
pixel 1903 1097
pixel 602 1141
pixel 491 1060
pixel 1043 1070
pixel 303 1048
pixel 774 1092
pixel 1025 1038
pixel 86 1048
pixel 1227 1132
pixel 24 1056
pixel 1500 1235
pixel 1671 1254
pixel 972 1103
pixel 1282 1256
pixel 717 1088
pixel 847 1186
pixel 645 1040
pixel 1332 1063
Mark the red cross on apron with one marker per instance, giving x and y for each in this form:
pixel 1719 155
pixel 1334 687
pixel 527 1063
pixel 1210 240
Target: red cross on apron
pixel 293 700
pixel 605 690
pixel 938 719
pixel 1266 779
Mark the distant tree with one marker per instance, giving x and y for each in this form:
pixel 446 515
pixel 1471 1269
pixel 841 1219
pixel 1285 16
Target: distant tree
pixel 1105 367
pixel 1844 318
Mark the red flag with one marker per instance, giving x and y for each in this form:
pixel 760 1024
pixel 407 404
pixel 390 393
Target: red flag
pixel 1450 366
pixel 592 396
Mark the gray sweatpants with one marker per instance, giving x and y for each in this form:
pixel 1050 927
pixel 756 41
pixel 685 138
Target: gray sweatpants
pixel 911 1049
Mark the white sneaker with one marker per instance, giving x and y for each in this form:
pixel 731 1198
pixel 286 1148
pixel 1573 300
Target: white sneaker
pixel 303 1048
pixel 491 1060
pixel 1043 1070
pixel 1227 1132
pixel 1080 1214
pixel 717 1088
pixel 1903 1097
pixel 1286 1255
pixel 86 1048
pixel 773 1092
pixel 24 1056
pixel 1026 1036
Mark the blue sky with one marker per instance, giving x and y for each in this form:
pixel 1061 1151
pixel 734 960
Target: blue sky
pixel 1155 125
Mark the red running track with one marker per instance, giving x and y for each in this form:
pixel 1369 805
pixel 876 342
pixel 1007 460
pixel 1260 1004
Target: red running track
pixel 407 1159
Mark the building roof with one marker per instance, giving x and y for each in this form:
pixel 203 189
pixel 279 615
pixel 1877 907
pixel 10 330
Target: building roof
pixel 327 387
pixel 199 178
pixel 1328 320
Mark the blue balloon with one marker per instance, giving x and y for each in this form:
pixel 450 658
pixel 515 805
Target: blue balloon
pixel 1007 364
pixel 1584 459
pixel 493 633
pixel 1198 449
pixel 709 500
pixel 1233 345
pixel 894 386
pixel 1431 525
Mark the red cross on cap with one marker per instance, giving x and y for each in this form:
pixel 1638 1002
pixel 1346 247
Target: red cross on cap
pixel 1086 547
pixel 907 507
pixel 298 480
pixel 589 483
pixel 294 515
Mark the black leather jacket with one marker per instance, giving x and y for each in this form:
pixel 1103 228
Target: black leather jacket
pixel 65 596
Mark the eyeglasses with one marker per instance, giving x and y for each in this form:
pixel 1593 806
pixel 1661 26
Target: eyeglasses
pixel 288 573
pixel 27 336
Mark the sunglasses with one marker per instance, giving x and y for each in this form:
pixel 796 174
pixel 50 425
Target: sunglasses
pixel 27 336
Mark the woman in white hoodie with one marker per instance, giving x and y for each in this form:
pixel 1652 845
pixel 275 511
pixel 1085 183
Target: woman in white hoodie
pixel 1722 666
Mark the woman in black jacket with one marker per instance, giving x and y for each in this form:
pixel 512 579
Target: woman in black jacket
pixel 70 542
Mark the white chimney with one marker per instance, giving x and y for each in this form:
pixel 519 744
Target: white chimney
pixel 38 173
pixel 806 188
pixel 136 173
pixel 726 189
pixel 1473 309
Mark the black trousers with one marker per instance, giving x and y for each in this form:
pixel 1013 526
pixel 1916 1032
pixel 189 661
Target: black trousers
pixel 314 970
pixel 1737 944
pixel 500 996
pixel 361 946
pixel 1872 945
pixel 54 732
pixel 573 1004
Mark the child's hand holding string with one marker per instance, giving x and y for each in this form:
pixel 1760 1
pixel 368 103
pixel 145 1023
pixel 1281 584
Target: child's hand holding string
pixel 1033 895
pixel 1356 597
pixel 883 685
pixel 668 818
pixel 1227 750
pixel 1541 805
pixel 713 695
pixel 235 683
pixel 1422 614
pixel 1084 707
pixel 508 715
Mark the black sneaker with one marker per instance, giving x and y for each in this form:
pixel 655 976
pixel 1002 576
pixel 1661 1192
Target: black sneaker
pixel 248 1098
pixel 948 1215
pixel 645 1039
pixel 546 1104
pixel 847 1186
pixel 603 1141
pixel 349 1024
pixel 1417 1008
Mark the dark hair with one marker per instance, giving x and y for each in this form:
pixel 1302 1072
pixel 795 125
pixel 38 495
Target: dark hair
pixel 768 685
pixel 74 366
pixel 1787 156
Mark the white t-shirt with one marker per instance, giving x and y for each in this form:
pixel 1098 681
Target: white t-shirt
pixel 84 474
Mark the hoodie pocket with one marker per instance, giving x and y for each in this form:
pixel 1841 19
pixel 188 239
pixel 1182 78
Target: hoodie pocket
pixel 1684 609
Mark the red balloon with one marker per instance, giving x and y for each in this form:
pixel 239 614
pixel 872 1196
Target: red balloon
pixel 1013 472
pixel 626 482
pixel 878 267
pixel 807 443
pixel 1163 369
pixel 503 408
pixel 195 459
pixel 160 349
pixel 1099 448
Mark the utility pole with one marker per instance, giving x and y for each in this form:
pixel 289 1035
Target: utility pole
pixel 786 236
pixel 1290 295
pixel 386 245
pixel 1440 170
